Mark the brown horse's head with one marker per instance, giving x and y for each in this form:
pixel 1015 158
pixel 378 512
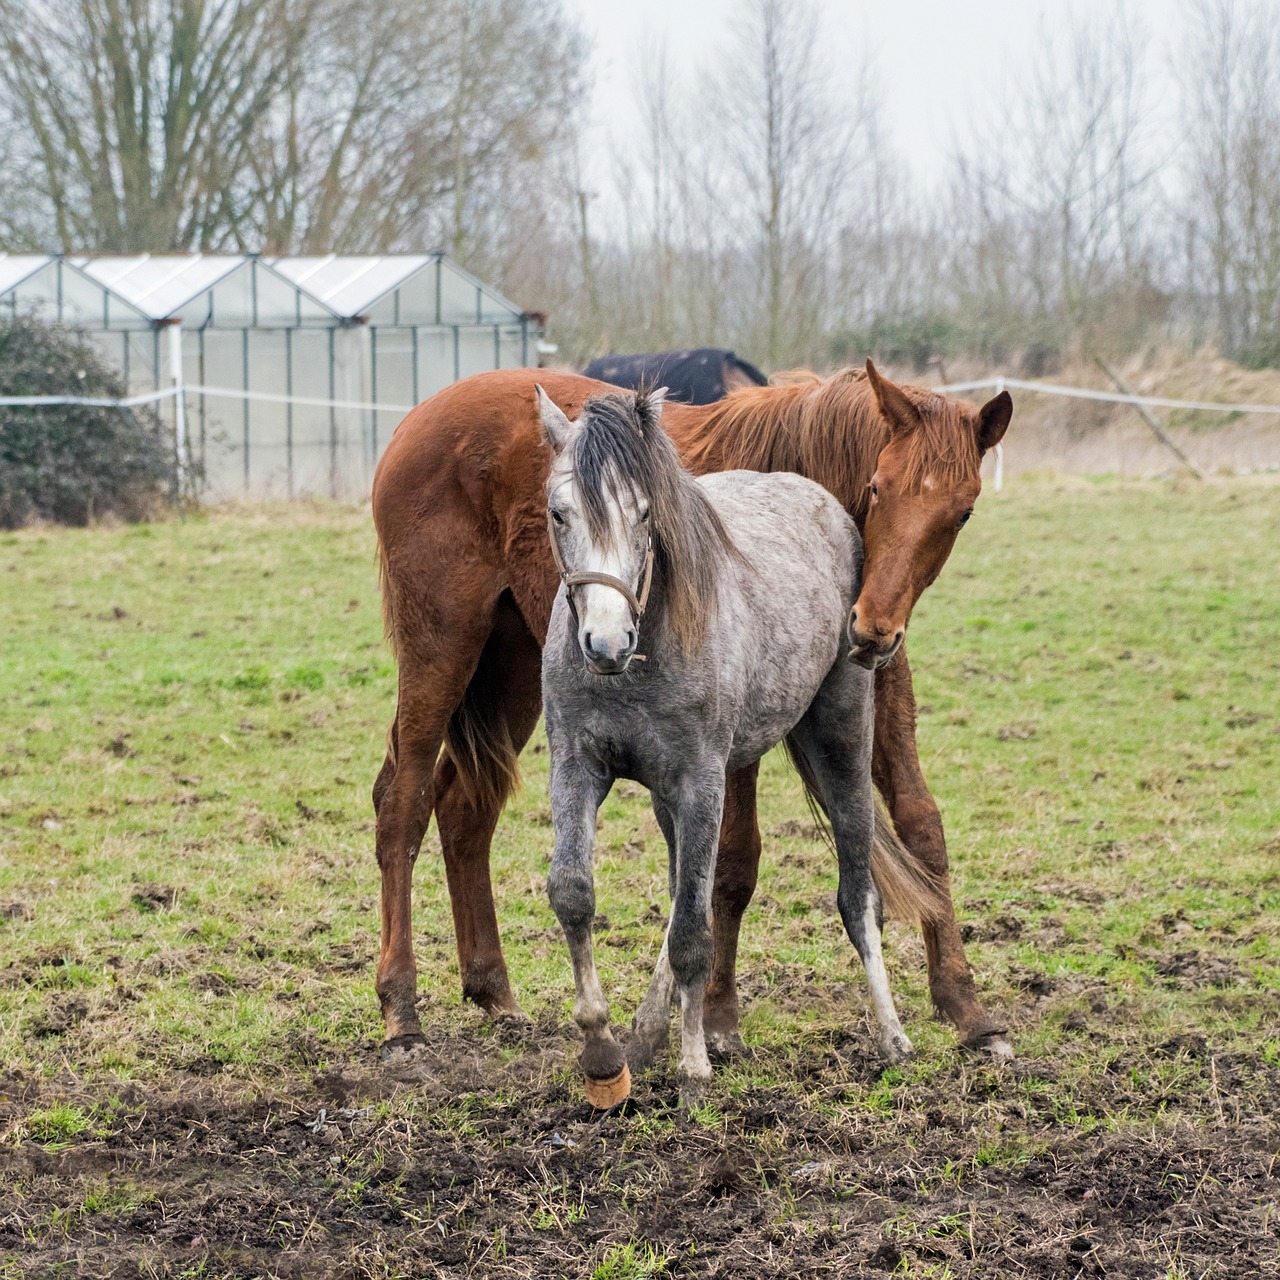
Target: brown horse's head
pixel 925 484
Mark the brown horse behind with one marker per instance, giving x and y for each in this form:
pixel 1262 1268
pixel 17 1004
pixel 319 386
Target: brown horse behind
pixel 467 585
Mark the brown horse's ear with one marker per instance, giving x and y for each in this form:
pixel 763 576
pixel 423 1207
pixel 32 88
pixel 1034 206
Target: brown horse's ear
pixel 555 426
pixel 898 411
pixel 993 420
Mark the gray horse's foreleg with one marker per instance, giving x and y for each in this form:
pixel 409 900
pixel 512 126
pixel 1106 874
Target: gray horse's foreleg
pixel 651 1027
pixel 575 798
pixel 689 944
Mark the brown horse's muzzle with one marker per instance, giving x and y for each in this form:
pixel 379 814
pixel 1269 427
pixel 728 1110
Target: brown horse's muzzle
pixel 872 646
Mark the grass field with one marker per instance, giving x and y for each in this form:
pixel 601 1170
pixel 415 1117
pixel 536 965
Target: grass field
pixel 191 717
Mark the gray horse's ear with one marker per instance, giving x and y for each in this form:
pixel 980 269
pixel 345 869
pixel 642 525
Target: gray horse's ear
pixel 649 406
pixel 897 409
pixel 555 426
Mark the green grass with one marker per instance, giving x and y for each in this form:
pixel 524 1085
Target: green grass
pixel 192 715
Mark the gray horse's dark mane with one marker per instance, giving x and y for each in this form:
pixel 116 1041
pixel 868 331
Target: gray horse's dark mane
pixel 622 446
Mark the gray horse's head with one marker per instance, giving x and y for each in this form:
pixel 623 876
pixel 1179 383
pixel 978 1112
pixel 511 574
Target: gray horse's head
pixel 621 508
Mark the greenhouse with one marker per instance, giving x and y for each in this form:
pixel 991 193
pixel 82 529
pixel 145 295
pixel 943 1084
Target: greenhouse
pixel 289 373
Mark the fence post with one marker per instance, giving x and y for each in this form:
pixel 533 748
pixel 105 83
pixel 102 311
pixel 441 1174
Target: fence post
pixel 999 476
pixel 179 404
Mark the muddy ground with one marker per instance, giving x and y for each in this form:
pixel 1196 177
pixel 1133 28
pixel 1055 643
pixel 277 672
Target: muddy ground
pixel 478 1157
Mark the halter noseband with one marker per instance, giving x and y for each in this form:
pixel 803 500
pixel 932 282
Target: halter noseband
pixel 635 602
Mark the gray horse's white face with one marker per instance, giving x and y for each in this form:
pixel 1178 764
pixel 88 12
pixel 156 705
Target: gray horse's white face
pixel 607 628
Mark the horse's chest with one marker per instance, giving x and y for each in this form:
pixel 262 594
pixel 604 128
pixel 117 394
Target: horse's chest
pixel 639 743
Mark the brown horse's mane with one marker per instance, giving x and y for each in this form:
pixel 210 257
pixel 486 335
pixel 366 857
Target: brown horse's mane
pixel 832 431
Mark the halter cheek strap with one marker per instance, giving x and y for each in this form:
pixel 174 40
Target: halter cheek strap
pixel 581 578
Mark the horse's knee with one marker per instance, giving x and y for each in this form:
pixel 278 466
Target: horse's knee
pixel 690 950
pixel 860 909
pixel 919 824
pixel 573 897
pixel 735 882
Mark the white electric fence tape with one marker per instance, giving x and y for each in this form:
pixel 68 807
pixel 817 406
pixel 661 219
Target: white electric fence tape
pixel 977 384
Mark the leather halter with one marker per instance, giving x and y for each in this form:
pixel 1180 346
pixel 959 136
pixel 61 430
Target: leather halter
pixel 635 602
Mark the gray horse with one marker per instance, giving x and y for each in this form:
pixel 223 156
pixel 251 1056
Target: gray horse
pixel 743 583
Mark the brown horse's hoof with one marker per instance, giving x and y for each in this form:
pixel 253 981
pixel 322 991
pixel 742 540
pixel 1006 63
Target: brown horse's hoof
pixel 604 1095
pixel 399 1048
pixel 994 1045
pixel 726 1046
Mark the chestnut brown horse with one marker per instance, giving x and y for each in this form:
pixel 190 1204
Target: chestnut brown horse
pixel 467 587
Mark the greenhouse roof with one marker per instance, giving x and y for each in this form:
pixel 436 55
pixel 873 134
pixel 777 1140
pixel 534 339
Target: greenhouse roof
pixel 234 291
pixel 159 285
pixel 17 267
pixel 349 286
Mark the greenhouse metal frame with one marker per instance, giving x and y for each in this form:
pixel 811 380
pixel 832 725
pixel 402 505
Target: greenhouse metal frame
pixel 288 373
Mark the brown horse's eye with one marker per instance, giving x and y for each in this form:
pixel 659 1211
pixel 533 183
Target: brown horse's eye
pixel 875 492
pixel 964 519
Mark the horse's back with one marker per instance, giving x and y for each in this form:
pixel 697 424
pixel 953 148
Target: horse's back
pixel 472 431
pixel 781 627
pixel 787 525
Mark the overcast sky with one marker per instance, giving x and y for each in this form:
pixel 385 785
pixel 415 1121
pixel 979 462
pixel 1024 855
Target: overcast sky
pixel 938 62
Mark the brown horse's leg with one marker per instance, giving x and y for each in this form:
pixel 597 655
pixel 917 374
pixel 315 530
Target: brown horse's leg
pixel 510 671
pixel 896 767
pixel 737 866
pixel 433 678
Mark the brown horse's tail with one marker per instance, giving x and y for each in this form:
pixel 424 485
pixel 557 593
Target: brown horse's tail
pixel 388 604
pixel 478 741
pixel 478 738
pixel 909 890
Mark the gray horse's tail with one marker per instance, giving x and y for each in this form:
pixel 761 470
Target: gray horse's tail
pixel 909 890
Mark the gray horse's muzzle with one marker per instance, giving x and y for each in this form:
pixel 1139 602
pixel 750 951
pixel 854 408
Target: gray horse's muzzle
pixel 606 659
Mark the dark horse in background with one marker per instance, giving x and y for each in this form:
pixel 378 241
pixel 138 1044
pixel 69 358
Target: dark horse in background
pixel 700 375
pixel 467 586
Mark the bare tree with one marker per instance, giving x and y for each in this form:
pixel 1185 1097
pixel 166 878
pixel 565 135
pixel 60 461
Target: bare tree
pixel 138 115
pixel 1062 183
pixel 284 125
pixel 790 145
pixel 1231 73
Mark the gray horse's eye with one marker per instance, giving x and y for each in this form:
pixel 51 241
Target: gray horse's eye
pixel 556 516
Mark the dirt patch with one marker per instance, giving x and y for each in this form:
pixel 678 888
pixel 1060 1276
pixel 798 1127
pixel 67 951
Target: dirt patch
pixel 477 1156
pixel 1193 969
pixel 154 897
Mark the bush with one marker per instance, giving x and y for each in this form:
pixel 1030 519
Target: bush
pixel 73 464
pixel 908 340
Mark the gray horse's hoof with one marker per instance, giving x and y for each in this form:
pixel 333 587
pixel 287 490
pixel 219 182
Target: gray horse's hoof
pixel 604 1095
pixel 402 1048
pixel 895 1049
pixel 643 1051
pixel 693 1092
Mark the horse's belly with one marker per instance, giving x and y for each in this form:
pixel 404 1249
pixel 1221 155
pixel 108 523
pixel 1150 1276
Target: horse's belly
pixel 792 649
